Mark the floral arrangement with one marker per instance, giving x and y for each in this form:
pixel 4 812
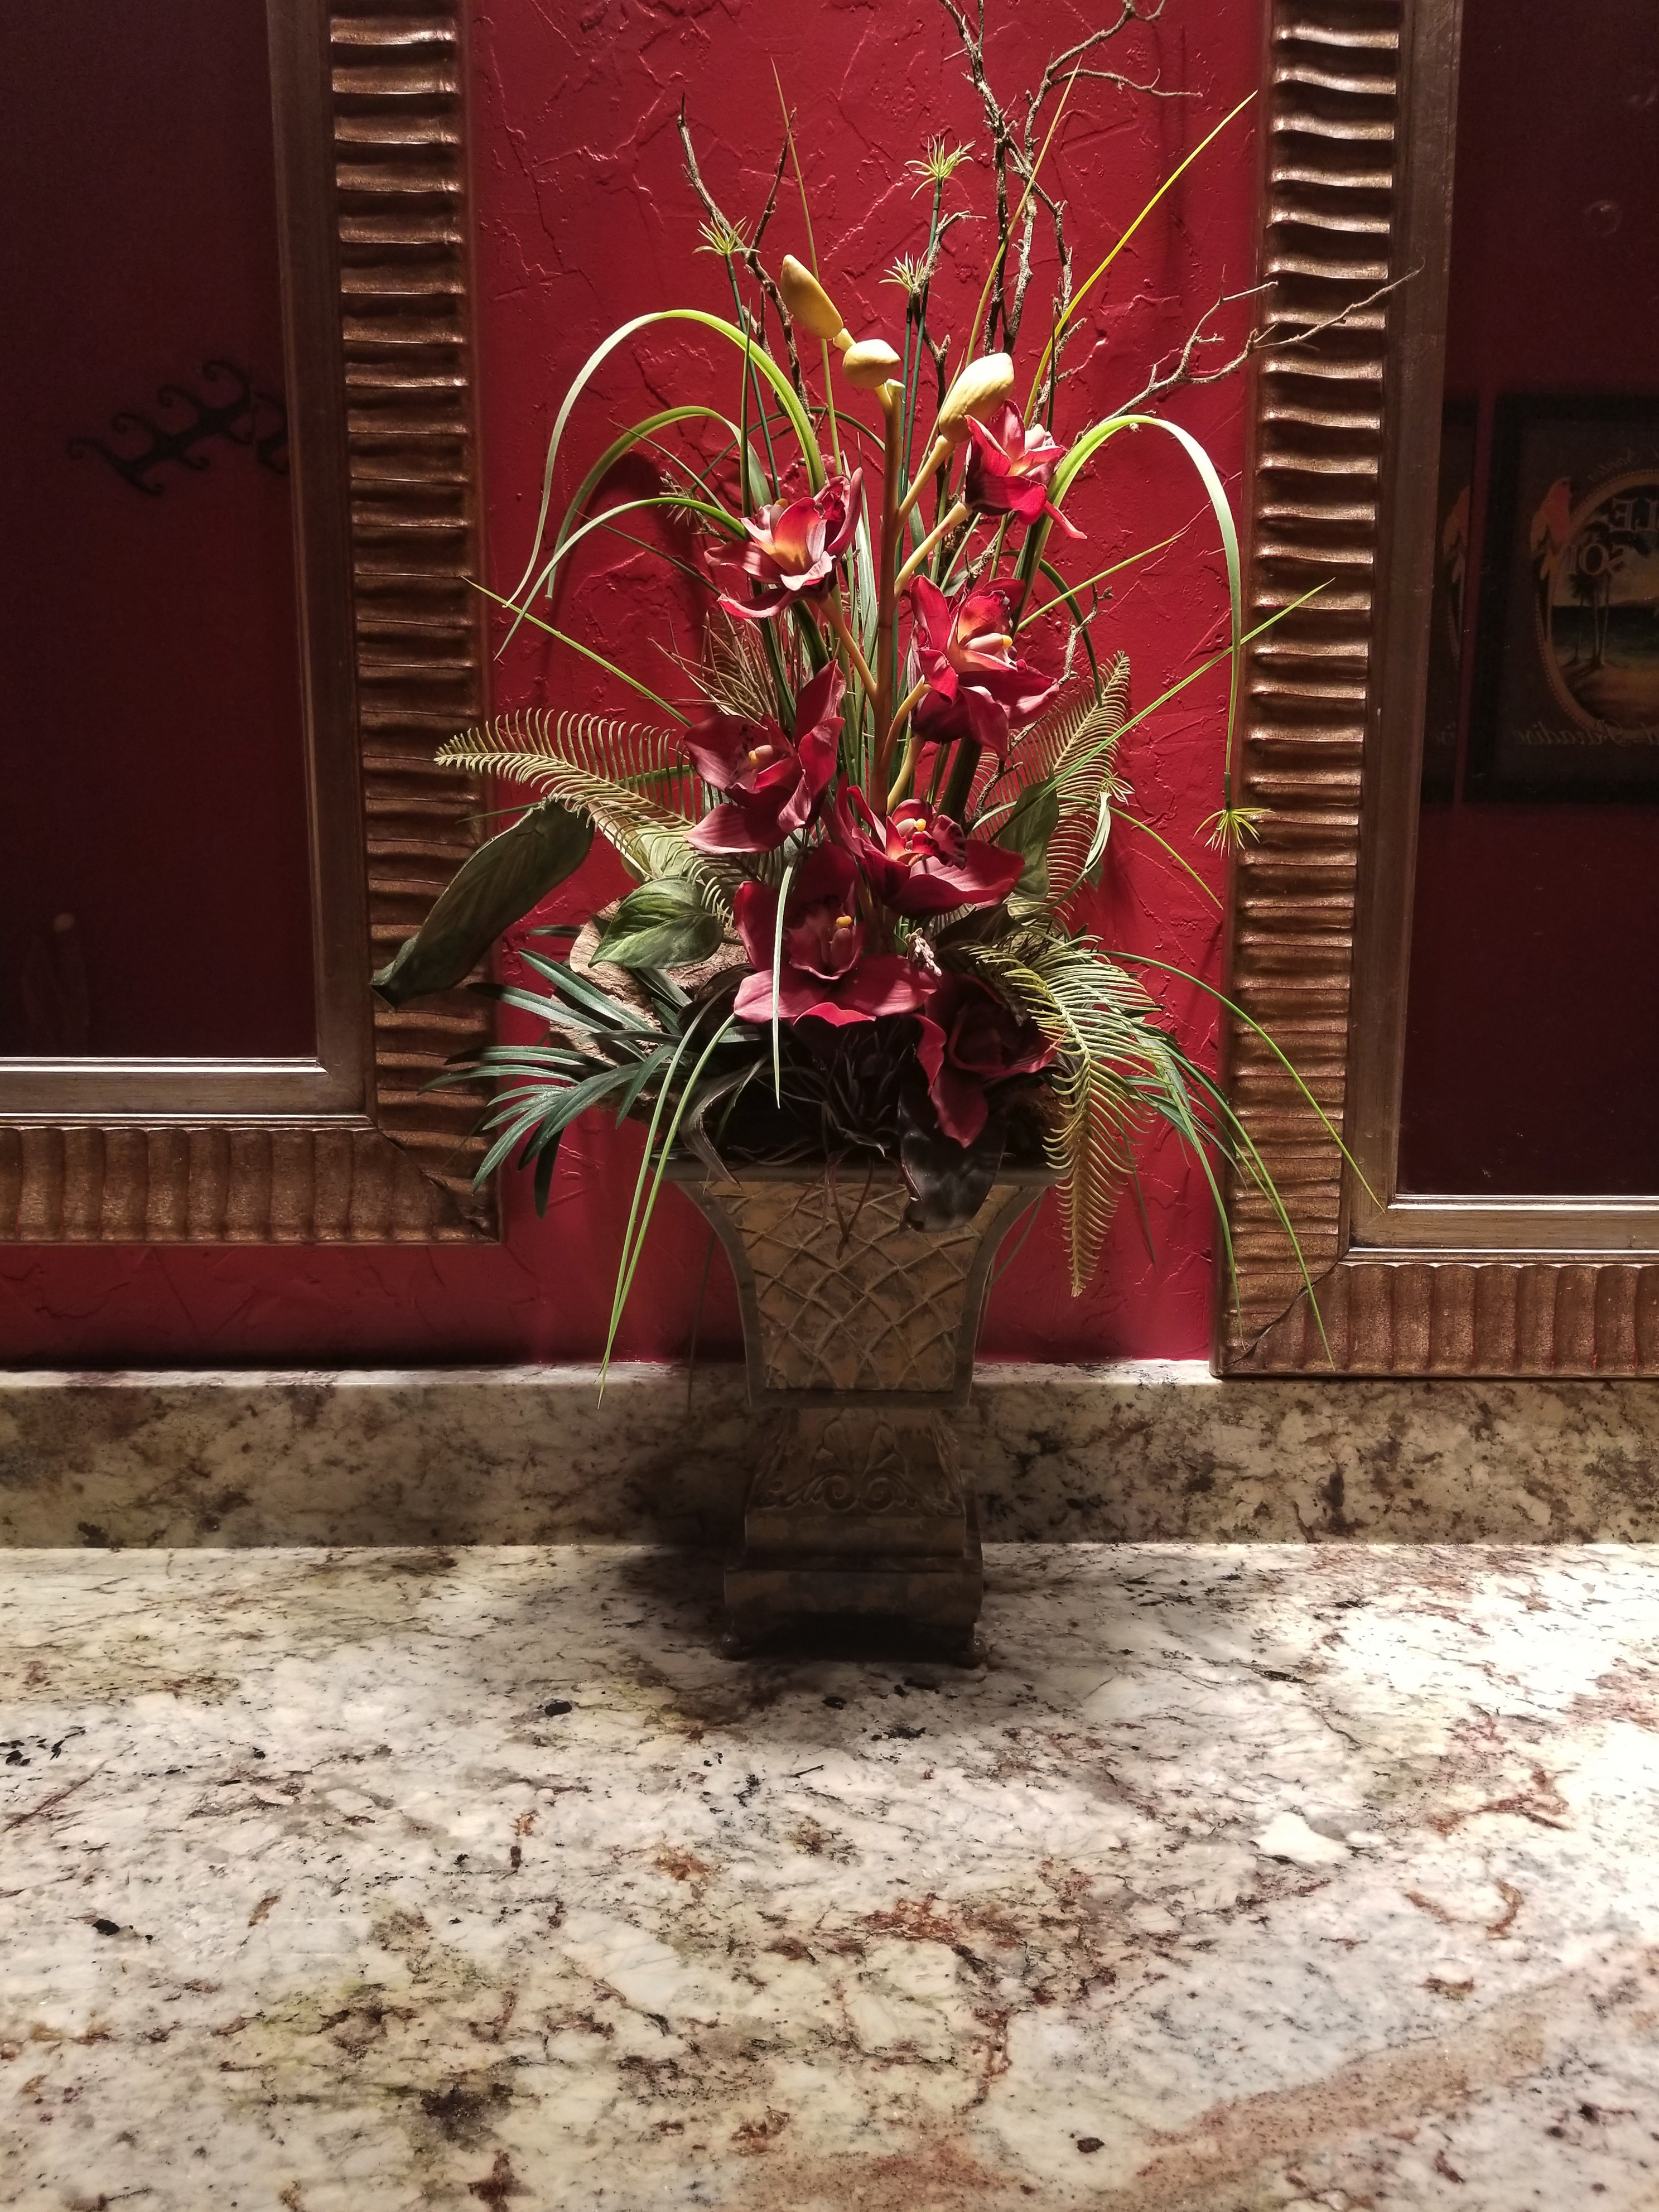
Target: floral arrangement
pixel 858 853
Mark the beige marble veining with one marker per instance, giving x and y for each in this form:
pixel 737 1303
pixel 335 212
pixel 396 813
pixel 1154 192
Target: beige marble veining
pixel 1140 1452
pixel 1242 1877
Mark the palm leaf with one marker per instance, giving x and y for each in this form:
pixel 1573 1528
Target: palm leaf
pixel 629 778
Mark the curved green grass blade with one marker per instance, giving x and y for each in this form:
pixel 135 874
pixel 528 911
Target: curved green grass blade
pixel 1091 443
pixel 799 421
pixel 588 652
pixel 1095 275
pixel 625 1279
pixel 1186 975
pixel 1180 858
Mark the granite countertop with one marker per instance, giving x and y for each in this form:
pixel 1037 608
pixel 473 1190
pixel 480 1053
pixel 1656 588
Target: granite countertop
pixel 1241 1878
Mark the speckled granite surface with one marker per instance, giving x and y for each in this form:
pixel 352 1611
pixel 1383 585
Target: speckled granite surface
pixel 1140 1452
pixel 1243 1878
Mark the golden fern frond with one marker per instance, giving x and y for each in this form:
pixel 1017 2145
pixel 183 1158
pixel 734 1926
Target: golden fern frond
pixel 1083 752
pixel 623 776
pixel 734 674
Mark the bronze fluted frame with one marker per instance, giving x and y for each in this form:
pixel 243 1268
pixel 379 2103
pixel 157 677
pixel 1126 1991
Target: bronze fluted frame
pixel 370 109
pixel 1357 130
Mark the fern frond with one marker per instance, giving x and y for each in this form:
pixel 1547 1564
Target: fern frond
pixel 645 760
pixel 1073 746
pixel 1114 1071
pixel 1061 743
pixel 627 778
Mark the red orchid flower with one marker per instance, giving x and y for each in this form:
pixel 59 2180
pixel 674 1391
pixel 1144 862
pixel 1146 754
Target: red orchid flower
pixel 825 971
pixel 773 784
pixel 1011 465
pixel 970 1039
pixel 918 862
pixel 977 687
pixel 794 545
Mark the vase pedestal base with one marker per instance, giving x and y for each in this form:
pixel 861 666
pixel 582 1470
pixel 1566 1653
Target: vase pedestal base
pixel 858 1532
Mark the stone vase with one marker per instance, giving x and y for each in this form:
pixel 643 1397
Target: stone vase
pixel 859 1334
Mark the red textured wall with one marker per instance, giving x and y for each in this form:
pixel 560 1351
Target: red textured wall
pixel 584 219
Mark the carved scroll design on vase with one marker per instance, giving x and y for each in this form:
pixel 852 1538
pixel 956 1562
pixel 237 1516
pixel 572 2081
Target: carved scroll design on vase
pixel 859 1463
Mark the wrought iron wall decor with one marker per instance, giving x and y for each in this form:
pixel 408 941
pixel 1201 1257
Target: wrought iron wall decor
pixel 249 418
pixel 372 181
pixel 1359 100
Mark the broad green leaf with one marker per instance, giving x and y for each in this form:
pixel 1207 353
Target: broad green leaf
pixel 495 888
pixel 660 924
pixel 1027 832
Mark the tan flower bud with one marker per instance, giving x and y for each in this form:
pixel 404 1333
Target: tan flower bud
pixel 871 363
pixel 810 304
pixel 981 384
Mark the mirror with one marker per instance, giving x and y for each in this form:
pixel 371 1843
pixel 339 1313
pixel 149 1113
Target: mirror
pixel 1531 1059
pixel 244 501
pixel 155 850
pixel 1449 916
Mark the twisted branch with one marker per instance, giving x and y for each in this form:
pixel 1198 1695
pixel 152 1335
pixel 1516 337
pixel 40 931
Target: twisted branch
pixel 1014 147
pixel 747 250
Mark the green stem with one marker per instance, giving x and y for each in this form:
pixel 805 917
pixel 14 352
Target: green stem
pixel 886 597
pixel 960 782
pixel 958 515
pixel 835 615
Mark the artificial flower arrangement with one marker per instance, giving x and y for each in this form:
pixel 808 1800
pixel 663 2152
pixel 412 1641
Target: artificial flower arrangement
pixel 859 853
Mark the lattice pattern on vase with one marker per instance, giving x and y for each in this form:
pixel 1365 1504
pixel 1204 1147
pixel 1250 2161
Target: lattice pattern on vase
pixel 848 1297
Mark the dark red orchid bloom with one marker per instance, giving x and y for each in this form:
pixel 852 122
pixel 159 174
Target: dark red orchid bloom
pixel 969 1040
pixel 918 862
pixel 794 545
pixel 1011 465
pixel 977 686
pixel 773 784
pixel 824 970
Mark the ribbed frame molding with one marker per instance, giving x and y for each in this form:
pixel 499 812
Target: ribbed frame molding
pixel 397 110
pixel 399 87
pixel 223 1183
pixel 1334 193
pixel 1332 97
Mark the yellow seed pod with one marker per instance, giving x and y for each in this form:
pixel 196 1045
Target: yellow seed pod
pixel 810 304
pixel 870 364
pixel 981 384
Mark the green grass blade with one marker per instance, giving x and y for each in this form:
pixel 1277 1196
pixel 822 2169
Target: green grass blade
pixel 1186 975
pixel 777 984
pixel 588 652
pixel 799 421
pixel 1180 858
pixel 1095 275
pixel 631 1260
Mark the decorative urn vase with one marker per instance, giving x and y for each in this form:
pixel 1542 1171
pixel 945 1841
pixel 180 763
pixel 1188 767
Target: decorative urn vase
pixel 858 1335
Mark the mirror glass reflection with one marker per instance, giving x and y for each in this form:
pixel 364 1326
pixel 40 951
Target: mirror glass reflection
pixel 154 868
pixel 1532 1045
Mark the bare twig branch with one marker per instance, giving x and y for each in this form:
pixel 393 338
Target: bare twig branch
pixel 1014 148
pixel 1331 322
pixel 747 249
pixel 1262 339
